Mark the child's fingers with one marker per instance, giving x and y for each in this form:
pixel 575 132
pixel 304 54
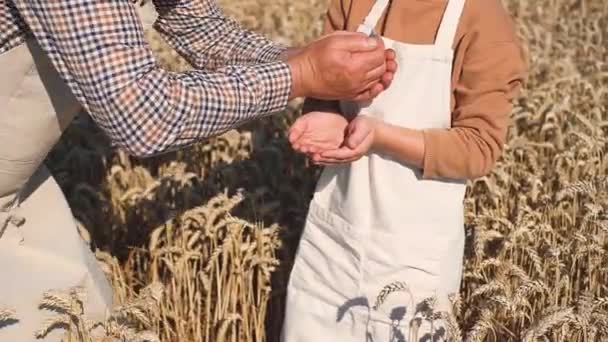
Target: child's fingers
pixel 346 154
pixel 311 146
pixel 356 136
pixel 297 130
pixel 301 146
pixel 305 149
pixel 312 149
pixel 332 161
pixel 317 159
pixel 294 136
pixel 343 153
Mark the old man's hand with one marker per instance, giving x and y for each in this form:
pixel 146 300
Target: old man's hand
pixel 342 65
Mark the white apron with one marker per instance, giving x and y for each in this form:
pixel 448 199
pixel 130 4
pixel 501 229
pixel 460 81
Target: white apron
pixel 40 247
pixel 376 221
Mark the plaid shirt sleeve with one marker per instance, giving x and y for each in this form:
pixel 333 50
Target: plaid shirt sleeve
pixel 205 37
pixel 99 49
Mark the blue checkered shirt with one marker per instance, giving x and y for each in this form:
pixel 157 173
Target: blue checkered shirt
pixel 98 47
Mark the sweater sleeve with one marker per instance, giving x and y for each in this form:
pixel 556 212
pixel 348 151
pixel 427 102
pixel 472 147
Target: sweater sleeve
pixel 493 70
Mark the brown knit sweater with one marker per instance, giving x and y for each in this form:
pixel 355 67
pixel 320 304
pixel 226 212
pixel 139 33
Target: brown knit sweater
pixel 489 68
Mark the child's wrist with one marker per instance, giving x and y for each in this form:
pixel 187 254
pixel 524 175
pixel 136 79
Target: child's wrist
pixel 378 127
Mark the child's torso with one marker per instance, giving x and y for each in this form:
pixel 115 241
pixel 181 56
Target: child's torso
pixel 377 190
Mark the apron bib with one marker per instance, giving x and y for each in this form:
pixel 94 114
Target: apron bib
pixel 40 247
pixel 376 221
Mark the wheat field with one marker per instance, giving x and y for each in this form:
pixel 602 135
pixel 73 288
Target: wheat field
pixel 214 227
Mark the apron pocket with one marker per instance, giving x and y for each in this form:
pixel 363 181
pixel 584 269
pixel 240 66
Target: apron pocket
pixel 405 272
pixel 329 261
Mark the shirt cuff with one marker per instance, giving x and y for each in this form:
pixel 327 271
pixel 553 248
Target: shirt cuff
pixel 275 82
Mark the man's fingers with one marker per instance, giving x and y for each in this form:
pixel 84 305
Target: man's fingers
pixel 369 85
pixel 376 74
pixel 356 42
pixel 370 93
pixel 376 90
pixel 391 69
pixel 391 66
pixel 365 95
pixel 369 61
pixel 387 79
pixel 384 74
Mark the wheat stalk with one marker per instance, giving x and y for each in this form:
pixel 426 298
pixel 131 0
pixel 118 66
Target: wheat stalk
pixel 7 315
pixel 387 290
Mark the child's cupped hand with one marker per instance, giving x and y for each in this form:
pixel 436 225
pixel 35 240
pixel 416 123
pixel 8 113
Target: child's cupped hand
pixel 328 138
pixel 317 131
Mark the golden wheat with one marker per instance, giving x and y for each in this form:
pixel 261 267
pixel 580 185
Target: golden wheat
pixel 217 224
pixel 127 322
pixel 7 315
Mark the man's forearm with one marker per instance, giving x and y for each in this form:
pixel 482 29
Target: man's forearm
pixel 108 65
pixel 204 36
pixel 143 108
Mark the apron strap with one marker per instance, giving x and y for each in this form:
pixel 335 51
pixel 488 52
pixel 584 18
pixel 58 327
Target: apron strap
pixel 373 17
pixel 449 23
